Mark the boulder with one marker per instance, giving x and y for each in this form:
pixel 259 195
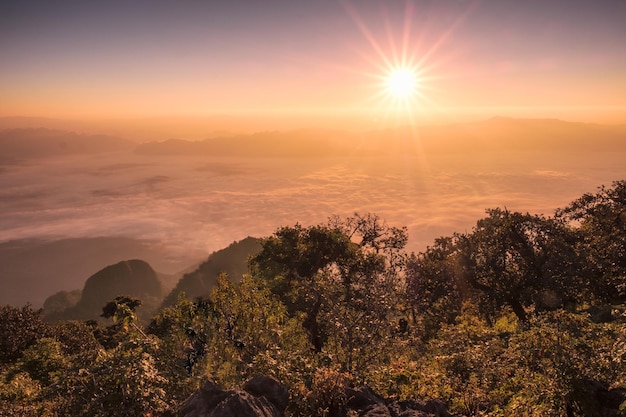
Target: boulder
pixel 599 399
pixel 365 403
pixel 431 408
pixel 362 397
pixel 270 388
pixel 260 397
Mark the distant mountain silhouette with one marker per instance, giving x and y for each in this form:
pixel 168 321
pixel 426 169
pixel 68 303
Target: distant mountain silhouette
pixel 33 269
pixel 499 134
pixel 493 135
pixel 232 260
pixel 134 278
pixel 17 144
pixel 295 143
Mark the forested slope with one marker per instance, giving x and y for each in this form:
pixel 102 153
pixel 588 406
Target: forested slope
pixel 524 315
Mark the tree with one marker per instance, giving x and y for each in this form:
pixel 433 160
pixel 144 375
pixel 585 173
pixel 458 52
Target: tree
pixel 44 361
pixel 600 223
pixel 288 263
pixel 251 333
pixel 519 260
pixel 19 329
pixel 342 278
pixel 75 337
pixel 122 311
pixel 434 286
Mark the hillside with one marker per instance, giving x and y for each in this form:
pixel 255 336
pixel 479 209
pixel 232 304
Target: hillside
pixel 231 260
pixel 134 278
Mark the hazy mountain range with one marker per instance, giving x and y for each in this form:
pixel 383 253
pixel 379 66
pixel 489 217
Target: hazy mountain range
pixel 496 134
pixel 18 144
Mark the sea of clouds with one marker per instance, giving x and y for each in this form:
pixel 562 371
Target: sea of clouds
pixel 202 204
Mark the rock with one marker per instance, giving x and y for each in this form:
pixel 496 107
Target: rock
pixel 432 408
pixel 378 410
pixel 134 278
pixel 264 396
pixel 365 403
pixel 601 314
pixel 270 388
pixel 361 398
pixel 213 401
pixel 599 399
pixel 203 401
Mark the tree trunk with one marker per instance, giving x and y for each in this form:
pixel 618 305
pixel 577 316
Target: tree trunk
pixel 518 309
pixel 311 325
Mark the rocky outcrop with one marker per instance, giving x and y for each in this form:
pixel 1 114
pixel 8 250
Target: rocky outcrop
pixel 598 399
pixel 134 278
pixel 365 403
pixel 266 397
pixel 260 397
pixel 270 388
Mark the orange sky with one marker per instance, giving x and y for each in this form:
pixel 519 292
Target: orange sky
pixel 293 58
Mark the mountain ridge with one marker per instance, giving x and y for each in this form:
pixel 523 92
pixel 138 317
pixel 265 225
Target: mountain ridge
pixel 495 134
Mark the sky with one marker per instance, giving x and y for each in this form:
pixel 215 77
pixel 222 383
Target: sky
pixel 124 59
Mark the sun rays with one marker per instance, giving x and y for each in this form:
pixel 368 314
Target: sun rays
pixel 403 64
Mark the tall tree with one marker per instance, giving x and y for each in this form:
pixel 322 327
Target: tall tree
pixel 341 277
pixel 519 260
pixel 600 223
pixel 434 288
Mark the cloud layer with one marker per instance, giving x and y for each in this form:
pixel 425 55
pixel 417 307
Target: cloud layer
pixel 203 203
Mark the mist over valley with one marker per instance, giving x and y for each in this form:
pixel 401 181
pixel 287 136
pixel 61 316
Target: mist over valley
pixel 174 202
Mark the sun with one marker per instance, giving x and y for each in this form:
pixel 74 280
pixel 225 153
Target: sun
pixel 404 62
pixel 402 83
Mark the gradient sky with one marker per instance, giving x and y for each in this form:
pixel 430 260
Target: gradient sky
pixel 151 58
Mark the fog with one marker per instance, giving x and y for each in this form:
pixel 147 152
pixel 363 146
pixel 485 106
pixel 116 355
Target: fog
pixel 203 203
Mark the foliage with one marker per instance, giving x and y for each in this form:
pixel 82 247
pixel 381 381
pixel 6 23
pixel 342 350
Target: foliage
pixel 19 396
pixel 19 329
pixel 75 337
pixel 123 381
pixel 600 222
pixel 121 311
pixel 433 286
pixel 343 279
pixel 519 260
pixel 250 334
pixel 44 361
pixel 327 395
